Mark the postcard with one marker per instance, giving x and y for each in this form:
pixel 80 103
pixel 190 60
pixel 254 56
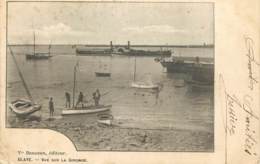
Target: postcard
pixel 109 82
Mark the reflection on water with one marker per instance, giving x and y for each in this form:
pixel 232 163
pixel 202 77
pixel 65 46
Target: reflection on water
pixel 174 105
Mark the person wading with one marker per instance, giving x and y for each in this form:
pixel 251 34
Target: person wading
pixel 80 99
pixel 51 107
pixel 67 95
pixel 96 97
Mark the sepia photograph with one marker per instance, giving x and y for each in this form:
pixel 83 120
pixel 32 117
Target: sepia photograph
pixel 113 76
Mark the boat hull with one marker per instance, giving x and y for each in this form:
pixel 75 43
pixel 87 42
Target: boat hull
pixel 23 108
pixel 103 74
pixel 143 85
pixel 203 74
pixel 146 53
pixel 85 52
pixel 37 57
pixel 177 67
pixel 86 110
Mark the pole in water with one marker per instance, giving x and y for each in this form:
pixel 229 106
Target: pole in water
pixel 74 86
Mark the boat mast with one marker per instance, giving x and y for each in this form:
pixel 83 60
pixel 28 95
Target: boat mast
pixel 135 68
pixel 49 50
pixel 34 42
pixel 21 76
pixel 74 84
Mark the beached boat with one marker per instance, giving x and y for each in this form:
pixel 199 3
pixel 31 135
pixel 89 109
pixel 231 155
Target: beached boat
pixel 22 107
pixel 86 110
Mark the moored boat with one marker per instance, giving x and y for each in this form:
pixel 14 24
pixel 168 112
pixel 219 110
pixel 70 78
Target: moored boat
pixel 143 85
pixel 103 74
pixel 38 55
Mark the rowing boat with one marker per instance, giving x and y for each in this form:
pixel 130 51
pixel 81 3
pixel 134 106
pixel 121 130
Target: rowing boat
pixel 22 107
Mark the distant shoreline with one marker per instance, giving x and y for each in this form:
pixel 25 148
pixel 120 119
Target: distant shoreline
pixel 121 45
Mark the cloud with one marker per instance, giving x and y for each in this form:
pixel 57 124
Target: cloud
pixel 57 33
pixel 58 28
pixel 154 29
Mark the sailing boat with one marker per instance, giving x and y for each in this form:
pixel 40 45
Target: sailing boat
pixel 83 109
pixel 103 70
pixel 23 107
pixel 140 84
pixel 38 55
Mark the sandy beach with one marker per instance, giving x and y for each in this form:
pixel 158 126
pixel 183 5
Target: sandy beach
pixel 91 135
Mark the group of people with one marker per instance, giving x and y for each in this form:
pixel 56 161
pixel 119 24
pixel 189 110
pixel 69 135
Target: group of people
pixel 96 97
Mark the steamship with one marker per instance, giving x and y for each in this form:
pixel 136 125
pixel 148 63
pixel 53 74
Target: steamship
pixel 121 50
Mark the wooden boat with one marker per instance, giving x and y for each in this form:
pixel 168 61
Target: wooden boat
pixel 143 85
pixel 104 69
pixel 87 110
pixel 38 55
pixel 22 107
pixel 103 74
pixel 105 119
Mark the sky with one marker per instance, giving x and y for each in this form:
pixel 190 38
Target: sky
pixel 100 23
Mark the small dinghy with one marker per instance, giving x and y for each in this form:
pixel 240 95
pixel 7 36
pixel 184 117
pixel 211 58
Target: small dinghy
pixel 86 110
pixel 103 74
pixel 22 107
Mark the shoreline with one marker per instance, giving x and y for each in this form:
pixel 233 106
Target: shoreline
pixel 91 136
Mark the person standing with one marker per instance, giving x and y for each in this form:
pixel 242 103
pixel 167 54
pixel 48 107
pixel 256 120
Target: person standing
pixel 67 95
pixel 80 99
pixel 51 107
pixel 96 97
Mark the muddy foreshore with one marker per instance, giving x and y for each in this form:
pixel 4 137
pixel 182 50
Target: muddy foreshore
pixel 87 134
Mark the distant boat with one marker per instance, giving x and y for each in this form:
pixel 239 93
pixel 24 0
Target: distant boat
pixel 103 74
pixel 93 52
pixel 140 84
pixel 23 107
pixel 103 70
pixel 38 55
pixel 84 109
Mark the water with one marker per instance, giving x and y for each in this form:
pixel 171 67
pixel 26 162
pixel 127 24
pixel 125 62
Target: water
pixel 172 107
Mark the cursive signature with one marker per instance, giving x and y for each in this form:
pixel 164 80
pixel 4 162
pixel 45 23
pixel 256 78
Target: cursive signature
pixel 234 106
pixel 249 44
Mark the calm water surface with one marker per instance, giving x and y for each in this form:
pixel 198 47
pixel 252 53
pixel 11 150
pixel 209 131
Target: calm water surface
pixel 172 107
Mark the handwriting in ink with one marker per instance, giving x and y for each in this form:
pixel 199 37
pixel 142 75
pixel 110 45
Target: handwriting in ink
pixel 251 62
